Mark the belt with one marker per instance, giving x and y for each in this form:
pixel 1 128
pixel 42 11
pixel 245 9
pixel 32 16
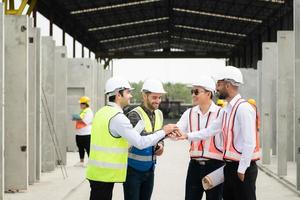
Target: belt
pixel 205 162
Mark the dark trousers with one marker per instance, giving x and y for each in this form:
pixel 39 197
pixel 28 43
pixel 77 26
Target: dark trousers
pixel 193 186
pixel 138 185
pixel 83 143
pixel 101 190
pixel 234 188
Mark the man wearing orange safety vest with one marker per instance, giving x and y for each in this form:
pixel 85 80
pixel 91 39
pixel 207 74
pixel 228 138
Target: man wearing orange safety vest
pixel 237 124
pixel 83 128
pixel 206 155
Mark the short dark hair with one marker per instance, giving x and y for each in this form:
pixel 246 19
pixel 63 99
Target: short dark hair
pixel 87 105
pixel 113 98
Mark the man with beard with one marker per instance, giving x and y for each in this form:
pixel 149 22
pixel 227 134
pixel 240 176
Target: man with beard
pixel 237 123
pixel 110 136
pixel 206 155
pixel 141 162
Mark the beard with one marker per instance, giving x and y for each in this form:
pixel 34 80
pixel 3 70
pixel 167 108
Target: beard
pixel 222 95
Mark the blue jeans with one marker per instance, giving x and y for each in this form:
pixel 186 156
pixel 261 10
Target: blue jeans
pixel 138 185
pixel 193 187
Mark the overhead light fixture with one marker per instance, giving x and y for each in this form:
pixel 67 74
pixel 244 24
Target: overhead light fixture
pixel 128 24
pixel 218 15
pixel 133 36
pixel 138 45
pixel 210 30
pixel 102 8
pixel 203 41
pixel 275 1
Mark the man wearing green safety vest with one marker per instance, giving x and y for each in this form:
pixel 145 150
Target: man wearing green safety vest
pixel 111 135
pixel 141 162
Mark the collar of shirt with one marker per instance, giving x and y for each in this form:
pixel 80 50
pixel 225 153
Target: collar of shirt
pixel 232 103
pixel 115 105
pixel 148 112
pixel 213 108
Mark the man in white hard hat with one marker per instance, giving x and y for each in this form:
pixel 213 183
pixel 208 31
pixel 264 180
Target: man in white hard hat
pixel 141 162
pixel 241 148
pixel 206 155
pixel 111 133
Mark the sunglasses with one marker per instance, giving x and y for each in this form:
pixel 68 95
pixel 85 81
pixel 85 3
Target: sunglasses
pixel 196 92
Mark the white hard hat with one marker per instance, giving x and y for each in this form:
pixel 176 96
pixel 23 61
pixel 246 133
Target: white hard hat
pixel 206 82
pixel 231 73
pixel 153 85
pixel 116 83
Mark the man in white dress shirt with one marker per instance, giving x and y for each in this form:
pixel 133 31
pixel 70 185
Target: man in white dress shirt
pixel 237 123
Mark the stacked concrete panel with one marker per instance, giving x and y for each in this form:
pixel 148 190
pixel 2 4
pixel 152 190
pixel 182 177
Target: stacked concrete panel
pixel 1 100
pixel 16 103
pixel 297 86
pixel 32 101
pixel 285 100
pixel 249 88
pixel 47 95
pixel 79 83
pixel 268 96
pixel 60 120
pixel 38 74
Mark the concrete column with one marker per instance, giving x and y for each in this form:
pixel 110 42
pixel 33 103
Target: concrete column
pixel 16 103
pixel 297 86
pixel 60 120
pixel 249 88
pixel 259 93
pixel 32 101
pixel 268 74
pixel 47 95
pixel 285 100
pixel 38 149
pixel 2 61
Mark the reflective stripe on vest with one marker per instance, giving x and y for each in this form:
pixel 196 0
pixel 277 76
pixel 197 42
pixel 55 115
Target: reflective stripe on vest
pixel 230 152
pixel 203 148
pixel 81 124
pixel 143 159
pixel 108 154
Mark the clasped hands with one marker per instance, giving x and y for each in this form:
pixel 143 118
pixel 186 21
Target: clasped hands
pixel 173 132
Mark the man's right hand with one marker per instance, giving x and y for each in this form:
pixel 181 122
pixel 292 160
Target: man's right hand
pixel 169 128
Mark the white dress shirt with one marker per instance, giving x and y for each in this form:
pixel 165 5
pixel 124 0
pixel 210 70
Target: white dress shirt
pixel 244 129
pixel 120 126
pixel 184 125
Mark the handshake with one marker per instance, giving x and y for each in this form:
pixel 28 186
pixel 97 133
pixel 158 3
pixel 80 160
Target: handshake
pixel 173 132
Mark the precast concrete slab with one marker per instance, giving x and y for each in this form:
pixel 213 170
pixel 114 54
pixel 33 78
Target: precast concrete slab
pixel 249 88
pixel 2 61
pixel 285 100
pixel 60 119
pixel 16 103
pixel 38 74
pixel 259 92
pixel 32 101
pixel 47 95
pixel 79 83
pixel 268 74
pixel 297 87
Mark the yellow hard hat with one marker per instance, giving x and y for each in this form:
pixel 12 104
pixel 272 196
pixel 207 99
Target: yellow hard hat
pixel 84 99
pixel 220 102
pixel 252 101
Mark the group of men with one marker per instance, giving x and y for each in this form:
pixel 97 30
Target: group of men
pixel 123 148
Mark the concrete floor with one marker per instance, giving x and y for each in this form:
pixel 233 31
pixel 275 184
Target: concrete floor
pixel 169 181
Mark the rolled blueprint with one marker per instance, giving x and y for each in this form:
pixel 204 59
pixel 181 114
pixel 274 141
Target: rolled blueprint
pixel 213 179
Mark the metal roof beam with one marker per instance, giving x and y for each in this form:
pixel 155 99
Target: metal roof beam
pixel 133 36
pixel 204 41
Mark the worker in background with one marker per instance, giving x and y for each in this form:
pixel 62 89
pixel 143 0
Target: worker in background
pixel 141 162
pixel 221 102
pixel 237 123
pixel 111 135
pixel 83 128
pixel 206 155
pixel 253 103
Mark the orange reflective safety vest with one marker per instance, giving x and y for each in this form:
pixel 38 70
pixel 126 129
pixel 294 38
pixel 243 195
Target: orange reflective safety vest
pixel 203 148
pixel 80 124
pixel 230 152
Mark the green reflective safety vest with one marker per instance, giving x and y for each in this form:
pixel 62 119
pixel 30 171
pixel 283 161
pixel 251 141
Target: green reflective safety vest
pixel 108 154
